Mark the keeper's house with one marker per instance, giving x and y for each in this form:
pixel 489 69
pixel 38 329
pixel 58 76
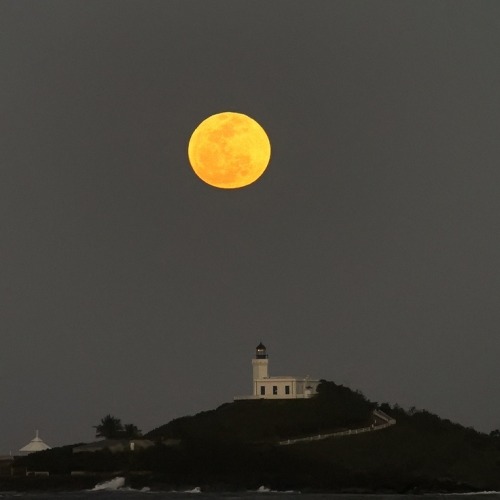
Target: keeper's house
pixel 266 387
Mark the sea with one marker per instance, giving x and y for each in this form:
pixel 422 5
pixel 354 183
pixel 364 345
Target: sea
pixel 115 489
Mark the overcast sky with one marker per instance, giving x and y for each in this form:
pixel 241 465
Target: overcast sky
pixel 367 254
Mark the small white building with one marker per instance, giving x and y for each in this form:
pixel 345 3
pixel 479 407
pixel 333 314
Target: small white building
pixel 285 387
pixel 36 444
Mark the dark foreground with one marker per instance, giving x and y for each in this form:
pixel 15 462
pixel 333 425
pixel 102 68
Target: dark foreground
pixel 127 493
pixel 236 448
pixel 150 483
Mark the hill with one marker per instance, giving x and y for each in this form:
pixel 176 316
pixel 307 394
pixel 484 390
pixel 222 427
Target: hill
pixel 236 446
pixel 335 407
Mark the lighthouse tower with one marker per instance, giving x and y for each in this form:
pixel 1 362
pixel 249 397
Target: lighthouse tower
pixel 260 365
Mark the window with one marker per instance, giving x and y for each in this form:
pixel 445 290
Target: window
pixel 287 389
pixel 262 390
pixel 275 389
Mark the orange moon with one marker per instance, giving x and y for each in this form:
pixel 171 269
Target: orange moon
pixel 229 150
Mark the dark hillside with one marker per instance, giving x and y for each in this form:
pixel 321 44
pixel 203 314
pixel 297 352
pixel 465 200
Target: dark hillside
pixel 335 407
pixel 421 451
pixel 235 447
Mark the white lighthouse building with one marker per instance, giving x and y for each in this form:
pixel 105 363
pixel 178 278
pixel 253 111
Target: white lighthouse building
pixel 284 387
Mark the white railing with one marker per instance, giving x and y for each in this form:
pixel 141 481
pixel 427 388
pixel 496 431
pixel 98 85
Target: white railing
pixel 383 416
pixel 389 421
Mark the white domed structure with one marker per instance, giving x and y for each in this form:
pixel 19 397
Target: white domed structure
pixel 36 444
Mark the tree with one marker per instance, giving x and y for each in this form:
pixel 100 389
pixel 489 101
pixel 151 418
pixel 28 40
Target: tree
pixel 109 428
pixel 131 431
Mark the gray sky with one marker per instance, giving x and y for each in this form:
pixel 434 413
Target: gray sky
pixel 367 254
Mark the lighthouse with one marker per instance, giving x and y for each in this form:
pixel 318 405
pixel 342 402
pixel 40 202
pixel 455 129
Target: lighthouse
pixel 283 387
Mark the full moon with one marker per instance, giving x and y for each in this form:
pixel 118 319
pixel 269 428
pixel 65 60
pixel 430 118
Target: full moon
pixel 229 150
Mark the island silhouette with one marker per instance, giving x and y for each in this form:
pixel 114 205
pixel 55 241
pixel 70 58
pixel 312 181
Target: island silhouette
pixel 335 441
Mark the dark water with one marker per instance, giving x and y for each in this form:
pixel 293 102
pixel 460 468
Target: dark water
pixel 127 494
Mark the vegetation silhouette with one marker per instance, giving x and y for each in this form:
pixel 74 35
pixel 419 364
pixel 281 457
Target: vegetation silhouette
pixel 109 428
pixel 112 428
pixel 235 447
